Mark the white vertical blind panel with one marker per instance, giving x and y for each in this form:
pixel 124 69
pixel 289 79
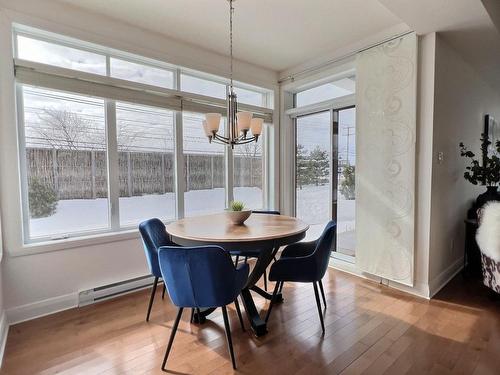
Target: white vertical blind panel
pixel 385 163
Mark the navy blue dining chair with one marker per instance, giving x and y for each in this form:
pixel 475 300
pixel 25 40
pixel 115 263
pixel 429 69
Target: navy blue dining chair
pixel 253 253
pixel 154 235
pixel 201 277
pixel 299 264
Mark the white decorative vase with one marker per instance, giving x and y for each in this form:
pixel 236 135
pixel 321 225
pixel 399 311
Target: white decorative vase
pixel 238 217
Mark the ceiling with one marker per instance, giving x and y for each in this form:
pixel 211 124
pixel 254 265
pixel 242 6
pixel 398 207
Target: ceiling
pixel 469 26
pixel 274 34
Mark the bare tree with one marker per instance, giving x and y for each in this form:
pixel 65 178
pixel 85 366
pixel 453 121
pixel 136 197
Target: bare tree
pixel 70 131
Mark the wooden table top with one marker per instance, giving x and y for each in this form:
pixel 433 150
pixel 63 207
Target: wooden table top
pixel 217 228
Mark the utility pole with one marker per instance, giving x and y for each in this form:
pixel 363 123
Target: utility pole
pixel 348 134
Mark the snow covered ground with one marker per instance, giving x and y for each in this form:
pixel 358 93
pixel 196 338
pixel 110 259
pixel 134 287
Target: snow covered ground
pixel 313 206
pixel 78 215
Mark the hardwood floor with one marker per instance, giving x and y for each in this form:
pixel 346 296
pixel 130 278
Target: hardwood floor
pixel 370 329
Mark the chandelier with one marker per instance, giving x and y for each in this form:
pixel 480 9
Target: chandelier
pixel 238 123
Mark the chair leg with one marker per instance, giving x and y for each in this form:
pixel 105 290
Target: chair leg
pixel 228 335
pixel 281 287
pixel 172 335
pixel 318 303
pixel 163 292
pixel 265 280
pixel 237 260
pixel 275 292
pixel 151 299
pixel 240 317
pixel 198 314
pixel 322 292
pixel 246 260
pixel 192 316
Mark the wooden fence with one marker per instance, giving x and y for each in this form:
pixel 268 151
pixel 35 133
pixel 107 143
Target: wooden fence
pixel 83 174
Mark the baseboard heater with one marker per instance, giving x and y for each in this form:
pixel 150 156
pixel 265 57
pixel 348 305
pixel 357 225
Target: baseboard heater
pixel 102 293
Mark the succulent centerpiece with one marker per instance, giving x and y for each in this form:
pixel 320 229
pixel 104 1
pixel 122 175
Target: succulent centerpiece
pixel 236 213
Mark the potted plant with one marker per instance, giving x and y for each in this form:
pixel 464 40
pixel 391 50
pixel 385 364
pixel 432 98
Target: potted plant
pixel 486 173
pixel 237 213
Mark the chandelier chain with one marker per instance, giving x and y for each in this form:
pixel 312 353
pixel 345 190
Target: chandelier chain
pixel 238 124
pixel 231 12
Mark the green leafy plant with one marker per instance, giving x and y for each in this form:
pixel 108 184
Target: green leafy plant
pixel 42 199
pixel 312 167
pixel 303 170
pixel 347 186
pixel 485 173
pixel 320 166
pixel 236 206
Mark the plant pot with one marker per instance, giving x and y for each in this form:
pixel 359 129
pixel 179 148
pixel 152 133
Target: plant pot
pixel 491 194
pixel 238 217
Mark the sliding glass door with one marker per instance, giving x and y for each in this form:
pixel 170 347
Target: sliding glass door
pixel 324 174
pixel 313 171
pixel 346 203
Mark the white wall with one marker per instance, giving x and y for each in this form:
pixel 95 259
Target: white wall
pixel 43 282
pixel 425 109
pixel 308 71
pixel 461 100
pixel 4 326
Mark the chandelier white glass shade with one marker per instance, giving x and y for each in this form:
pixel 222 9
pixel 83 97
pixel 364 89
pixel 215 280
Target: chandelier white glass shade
pixel 238 123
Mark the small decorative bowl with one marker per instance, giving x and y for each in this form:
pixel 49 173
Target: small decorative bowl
pixel 238 217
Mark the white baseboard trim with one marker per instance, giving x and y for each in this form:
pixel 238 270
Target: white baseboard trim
pixel 419 289
pixel 38 309
pixel 445 277
pixel 4 331
pixel 53 305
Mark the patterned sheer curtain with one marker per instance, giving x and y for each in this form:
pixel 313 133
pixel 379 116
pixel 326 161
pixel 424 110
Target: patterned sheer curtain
pixel 385 165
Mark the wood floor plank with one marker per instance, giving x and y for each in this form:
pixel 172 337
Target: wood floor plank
pixel 370 329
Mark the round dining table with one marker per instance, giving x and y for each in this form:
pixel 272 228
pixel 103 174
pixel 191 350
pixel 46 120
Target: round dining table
pixel 260 231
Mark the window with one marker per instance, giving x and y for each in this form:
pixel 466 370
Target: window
pixel 248 174
pixel 100 164
pixel 207 87
pixel 327 91
pixel 313 191
pixel 204 169
pixel 250 97
pixel 346 198
pixel 202 86
pixel 325 145
pixel 141 73
pixel 66 168
pixel 60 55
pixel 146 163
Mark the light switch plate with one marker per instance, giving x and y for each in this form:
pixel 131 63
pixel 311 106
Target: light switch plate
pixel 440 157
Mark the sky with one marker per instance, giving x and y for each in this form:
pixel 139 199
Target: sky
pixel 315 130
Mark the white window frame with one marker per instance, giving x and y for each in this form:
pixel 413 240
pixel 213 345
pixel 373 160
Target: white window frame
pixel 288 111
pixel 288 137
pixel 111 90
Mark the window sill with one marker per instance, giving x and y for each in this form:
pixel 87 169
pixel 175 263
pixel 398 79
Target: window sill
pixel 73 243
